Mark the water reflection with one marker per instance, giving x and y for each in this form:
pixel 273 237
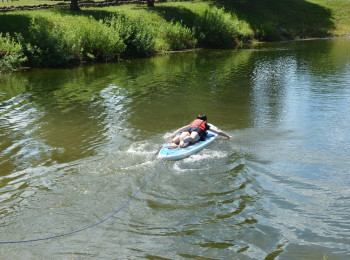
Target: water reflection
pixel 272 78
pixel 76 144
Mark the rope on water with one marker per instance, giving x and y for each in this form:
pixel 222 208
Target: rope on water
pixel 93 225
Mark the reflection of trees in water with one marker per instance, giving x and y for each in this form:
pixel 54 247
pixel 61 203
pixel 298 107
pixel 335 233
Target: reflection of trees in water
pixel 71 112
pixel 49 116
pixel 178 87
pixel 290 71
pixel 271 77
pixel 324 57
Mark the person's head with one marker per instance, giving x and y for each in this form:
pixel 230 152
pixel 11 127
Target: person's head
pixel 202 117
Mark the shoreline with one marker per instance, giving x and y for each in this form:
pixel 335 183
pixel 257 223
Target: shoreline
pixel 101 32
pixel 244 46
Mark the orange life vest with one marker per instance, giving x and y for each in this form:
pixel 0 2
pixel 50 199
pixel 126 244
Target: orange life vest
pixel 199 124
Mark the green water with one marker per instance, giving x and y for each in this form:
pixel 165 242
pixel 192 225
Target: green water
pixel 76 144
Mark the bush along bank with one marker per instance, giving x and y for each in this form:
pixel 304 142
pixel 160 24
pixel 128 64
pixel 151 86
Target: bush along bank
pixel 59 40
pixel 11 54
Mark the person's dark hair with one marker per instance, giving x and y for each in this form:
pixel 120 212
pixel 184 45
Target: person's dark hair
pixel 202 117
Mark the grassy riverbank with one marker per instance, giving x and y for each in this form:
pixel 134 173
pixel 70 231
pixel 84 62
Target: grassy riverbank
pixel 58 37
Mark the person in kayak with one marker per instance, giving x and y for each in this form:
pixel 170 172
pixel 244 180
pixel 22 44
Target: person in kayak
pixel 194 132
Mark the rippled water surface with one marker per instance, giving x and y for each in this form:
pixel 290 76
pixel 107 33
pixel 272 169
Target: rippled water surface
pixel 76 144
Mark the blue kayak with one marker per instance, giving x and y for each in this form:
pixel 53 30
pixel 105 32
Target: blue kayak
pixel 169 153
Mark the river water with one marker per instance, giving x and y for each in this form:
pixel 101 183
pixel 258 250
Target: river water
pixel 76 144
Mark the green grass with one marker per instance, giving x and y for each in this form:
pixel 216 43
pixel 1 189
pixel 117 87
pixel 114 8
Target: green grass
pixel 8 3
pixel 340 10
pixel 292 19
pixel 283 19
pixel 270 19
pixel 58 37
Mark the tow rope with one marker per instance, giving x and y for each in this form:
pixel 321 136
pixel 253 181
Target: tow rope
pixel 93 225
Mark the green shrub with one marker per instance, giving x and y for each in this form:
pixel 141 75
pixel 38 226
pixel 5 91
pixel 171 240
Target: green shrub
pixel 268 31
pixel 93 40
pixel 64 40
pixel 11 54
pixel 217 29
pixel 136 35
pixel 47 47
pixel 178 37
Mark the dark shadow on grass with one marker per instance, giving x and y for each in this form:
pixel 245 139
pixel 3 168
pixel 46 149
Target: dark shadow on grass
pixel 12 23
pixel 177 14
pixel 96 14
pixel 282 19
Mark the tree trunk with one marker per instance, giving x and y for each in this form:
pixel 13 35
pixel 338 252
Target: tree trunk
pixel 150 3
pixel 74 5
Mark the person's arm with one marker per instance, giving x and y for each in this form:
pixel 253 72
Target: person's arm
pixel 178 131
pixel 219 132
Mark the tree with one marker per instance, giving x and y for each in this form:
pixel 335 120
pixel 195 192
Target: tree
pixel 74 5
pixel 150 3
